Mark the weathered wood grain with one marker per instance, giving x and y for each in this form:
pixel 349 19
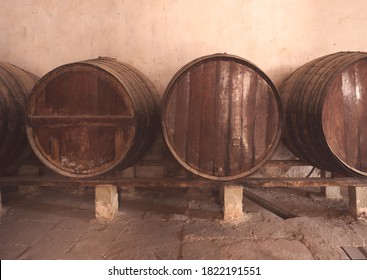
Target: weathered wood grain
pixel 325 105
pixel 208 126
pixel 185 183
pixel 15 86
pixel 227 117
pixel 98 114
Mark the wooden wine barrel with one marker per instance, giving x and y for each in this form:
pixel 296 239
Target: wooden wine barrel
pixel 88 117
pixel 325 105
pixel 15 86
pixel 221 117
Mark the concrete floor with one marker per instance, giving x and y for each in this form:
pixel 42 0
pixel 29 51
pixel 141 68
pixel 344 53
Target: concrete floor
pixel 59 223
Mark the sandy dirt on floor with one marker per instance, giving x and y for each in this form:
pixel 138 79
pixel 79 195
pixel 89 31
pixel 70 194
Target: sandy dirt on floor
pixel 172 223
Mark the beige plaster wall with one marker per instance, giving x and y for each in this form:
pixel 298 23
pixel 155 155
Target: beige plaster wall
pixel 160 36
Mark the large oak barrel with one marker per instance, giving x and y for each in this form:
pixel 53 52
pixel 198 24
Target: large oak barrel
pixel 325 105
pixel 15 86
pixel 221 117
pixel 88 117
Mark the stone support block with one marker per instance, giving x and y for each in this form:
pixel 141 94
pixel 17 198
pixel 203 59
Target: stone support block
pixel 28 170
pixel 331 192
pixel 357 201
pixel 232 202
pixel 106 202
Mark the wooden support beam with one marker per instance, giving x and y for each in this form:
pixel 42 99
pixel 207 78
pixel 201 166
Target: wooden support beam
pixel 304 182
pixel 276 209
pixel 355 253
pixel 183 182
pixel 133 182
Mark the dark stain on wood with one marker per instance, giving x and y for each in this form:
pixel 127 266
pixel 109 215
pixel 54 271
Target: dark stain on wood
pixel 221 117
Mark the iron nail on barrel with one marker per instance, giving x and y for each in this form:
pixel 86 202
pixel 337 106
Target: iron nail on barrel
pixel 86 118
pixel 325 106
pixel 221 117
pixel 15 86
